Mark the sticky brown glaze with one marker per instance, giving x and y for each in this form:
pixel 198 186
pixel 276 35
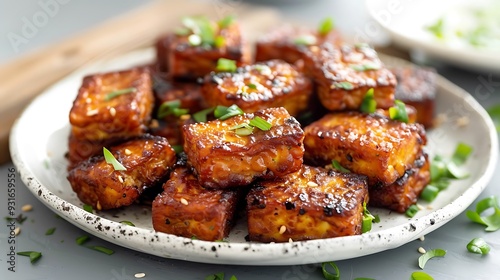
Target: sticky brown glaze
pixel 312 203
pixel 273 83
pixel 368 144
pixel 223 159
pixel 170 128
pixel 281 43
pixel 190 62
pixel 82 149
pixel 345 73
pixel 417 87
pixel 147 160
pixel 187 209
pixel 163 46
pixel 92 117
pixel 405 191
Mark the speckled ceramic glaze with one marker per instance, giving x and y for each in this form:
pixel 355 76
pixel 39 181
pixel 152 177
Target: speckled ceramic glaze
pixel 39 141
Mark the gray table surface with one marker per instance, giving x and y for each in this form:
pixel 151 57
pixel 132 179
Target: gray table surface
pixel 63 259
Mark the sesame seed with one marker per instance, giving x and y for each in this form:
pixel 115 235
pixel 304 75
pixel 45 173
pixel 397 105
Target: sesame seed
pixel 92 112
pixel 128 152
pixel 422 238
pixel 98 206
pixel 120 178
pixel 429 207
pixel 420 207
pixel 185 117
pixel 282 229
pixel 184 201
pixel 17 231
pixel 154 124
pixel 462 121
pixel 88 100
pixel 312 184
pixel 112 111
pixel 27 208
pixel 290 240
pixel 140 275
pixel 421 250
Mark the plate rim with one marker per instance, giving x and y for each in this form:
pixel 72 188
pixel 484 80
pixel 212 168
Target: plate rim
pixel 224 253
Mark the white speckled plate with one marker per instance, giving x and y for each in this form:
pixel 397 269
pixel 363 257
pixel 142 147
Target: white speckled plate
pixel 39 141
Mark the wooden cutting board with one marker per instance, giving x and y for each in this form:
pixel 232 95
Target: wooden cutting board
pixel 29 75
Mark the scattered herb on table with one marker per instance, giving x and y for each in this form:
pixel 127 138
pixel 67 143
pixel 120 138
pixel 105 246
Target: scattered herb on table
pixel 330 271
pixel 492 222
pixel 50 231
pixel 422 260
pixel 420 275
pixel 33 255
pixel 88 208
pixel 478 246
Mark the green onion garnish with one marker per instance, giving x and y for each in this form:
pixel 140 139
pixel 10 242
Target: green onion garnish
pixel 224 113
pixel 226 22
pixel 429 193
pixel 128 223
pixel 219 41
pixel 478 246
pixel 102 250
pixel 178 148
pixel 119 92
pixel 365 67
pixel 34 256
pixel 398 112
pixel 461 154
pixel 411 211
pixel 201 116
pixel 344 85
pixel 492 222
pixel 368 105
pixel 326 26
pixel 368 219
pixel 82 239
pixel 494 113
pixel 420 275
pixel 422 260
pixel 216 276
pixel 437 29
pixel 305 40
pixel 172 107
pixel 336 165
pixel 108 156
pixel 334 275
pixel 260 123
pixel 202 27
pixel 242 129
pixel 226 65
pixel 252 86
pixel 88 208
pixel 50 231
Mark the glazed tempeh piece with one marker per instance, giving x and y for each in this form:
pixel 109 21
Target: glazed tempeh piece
pixel 222 158
pixel 273 83
pixel 187 209
pixel 170 128
pixel 368 144
pixel 312 203
pixel 188 60
pixel 405 191
pixel 344 74
pixel 188 94
pixel 101 113
pixel 82 149
pixel 417 87
pixel 290 43
pixel 162 48
pixel 147 160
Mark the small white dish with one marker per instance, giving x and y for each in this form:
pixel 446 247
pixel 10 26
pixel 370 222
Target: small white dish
pixel 38 143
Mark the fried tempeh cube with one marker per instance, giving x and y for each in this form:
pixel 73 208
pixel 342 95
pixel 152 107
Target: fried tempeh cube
pixel 222 158
pixel 344 74
pixel 273 83
pixel 82 149
pixel 194 54
pixel 290 43
pixel 403 193
pixel 311 203
pixel 147 160
pixel 187 209
pixel 417 87
pixel 188 94
pixel 368 144
pixel 114 105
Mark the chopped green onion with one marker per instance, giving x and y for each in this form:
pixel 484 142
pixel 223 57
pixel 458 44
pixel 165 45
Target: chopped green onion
pixel 367 219
pixel 217 276
pixel 194 40
pixel 420 275
pixel 326 26
pixel 422 260
pixel 119 92
pixel 492 222
pixel 219 41
pixel 242 129
pixel 226 22
pixel 461 154
pixel 437 29
pixel 202 27
pixel 411 211
pixel 344 85
pixel 108 156
pixel 398 112
pixel 335 275
pixel 377 219
pixel 454 172
pixel 494 113
pixel 252 86
pixel 260 123
pixel 82 239
pixel 429 193
pixel 438 168
pixel 178 148
pixel 365 67
pixel 201 116
pixel 368 105
pixel 50 231
pixel 88 208
pixel 102 250
pixel 34 256
pixel 171 108
pixel 305 40
pixel 478 246
pixel 233 278
pixel 336 165
pixel 224 113
pixel 263 69
pixel 128 223
pixel 226 65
